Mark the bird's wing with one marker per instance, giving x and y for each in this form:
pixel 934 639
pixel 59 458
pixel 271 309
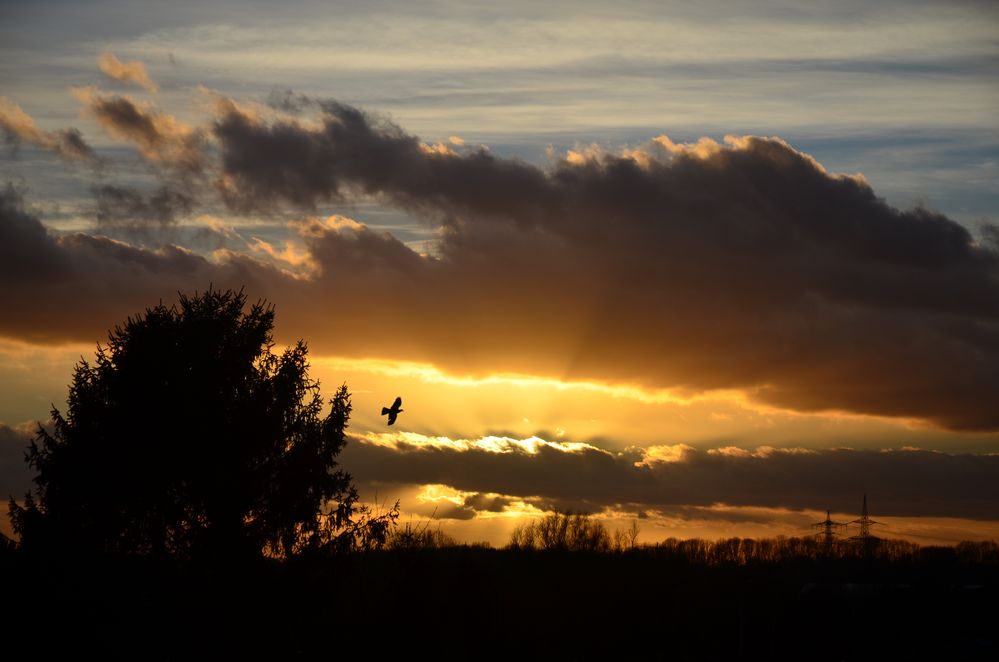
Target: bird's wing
pixel 397 403
pixel 391 418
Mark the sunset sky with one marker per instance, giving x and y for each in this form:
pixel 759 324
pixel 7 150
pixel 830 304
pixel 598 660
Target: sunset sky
pixel 717 271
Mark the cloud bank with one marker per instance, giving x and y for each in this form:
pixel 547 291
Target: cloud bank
pixel 735 265
pixel 583 477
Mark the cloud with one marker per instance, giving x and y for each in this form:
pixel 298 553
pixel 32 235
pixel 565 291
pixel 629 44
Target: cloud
pixel 740 265
pixel 287 101
pixel 126 72
pixel 56 287
pixel 16 126
pixel 913 483
pixel 299 259
pixel 356 151
pixel 124 209
pixel 735 265
pixel 160 138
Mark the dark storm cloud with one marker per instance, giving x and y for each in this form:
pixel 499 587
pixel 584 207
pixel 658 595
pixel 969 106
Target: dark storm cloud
pixel 900 482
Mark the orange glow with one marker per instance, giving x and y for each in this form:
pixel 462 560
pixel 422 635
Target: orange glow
pixel 509 413
pixel 428 373
pixel 439 403
pixel 663 453
pixel 33 377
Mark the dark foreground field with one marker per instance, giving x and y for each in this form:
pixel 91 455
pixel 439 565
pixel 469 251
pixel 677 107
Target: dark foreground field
pixel 477 603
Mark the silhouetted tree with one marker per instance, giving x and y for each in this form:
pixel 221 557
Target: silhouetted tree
pixel 626 539
pixel 562 532
pixel 189 437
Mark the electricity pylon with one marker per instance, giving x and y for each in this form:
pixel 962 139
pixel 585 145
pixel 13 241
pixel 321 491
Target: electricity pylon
pixel 828 533
pixel 864 537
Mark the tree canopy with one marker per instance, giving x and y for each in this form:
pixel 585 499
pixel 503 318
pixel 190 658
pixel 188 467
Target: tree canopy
pixel 189 436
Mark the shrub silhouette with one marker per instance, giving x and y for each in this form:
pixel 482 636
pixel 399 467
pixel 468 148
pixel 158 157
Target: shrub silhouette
pixel 419 536
pixel 189 437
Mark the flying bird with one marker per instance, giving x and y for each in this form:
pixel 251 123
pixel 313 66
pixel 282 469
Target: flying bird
pixel 393 411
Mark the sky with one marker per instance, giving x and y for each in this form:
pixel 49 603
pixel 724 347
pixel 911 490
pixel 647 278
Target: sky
pixel 713 270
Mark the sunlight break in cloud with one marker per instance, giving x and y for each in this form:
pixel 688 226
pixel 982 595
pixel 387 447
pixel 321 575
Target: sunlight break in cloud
pixel 488 444
pixel 430 374
pixel 663 453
